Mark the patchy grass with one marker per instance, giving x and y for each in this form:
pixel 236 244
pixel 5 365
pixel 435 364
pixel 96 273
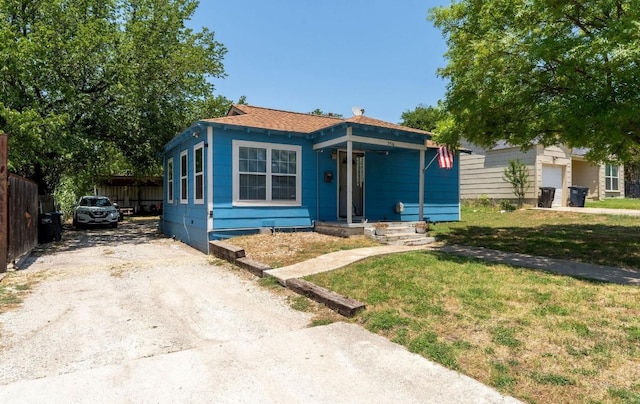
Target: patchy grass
pixel 300 303
pixel 598 239
pixel 11 293
pixel 282 249
pixel 536 336
pixel 615 203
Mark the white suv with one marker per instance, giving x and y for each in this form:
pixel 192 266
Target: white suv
pixel 95 210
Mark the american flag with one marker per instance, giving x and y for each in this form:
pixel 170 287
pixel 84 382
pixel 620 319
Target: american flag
pixel 445 157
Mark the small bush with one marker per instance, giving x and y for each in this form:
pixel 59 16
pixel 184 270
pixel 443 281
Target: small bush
pixel 507 205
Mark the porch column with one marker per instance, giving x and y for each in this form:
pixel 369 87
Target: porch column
pixel 209 151
pixel 421 187
pixel 349 177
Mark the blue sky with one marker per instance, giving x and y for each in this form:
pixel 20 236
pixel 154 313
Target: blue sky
pixel 299 55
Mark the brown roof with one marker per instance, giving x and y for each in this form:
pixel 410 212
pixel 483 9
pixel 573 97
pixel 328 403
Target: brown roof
pixel 365 120
pixel 287 121
pixel 273 119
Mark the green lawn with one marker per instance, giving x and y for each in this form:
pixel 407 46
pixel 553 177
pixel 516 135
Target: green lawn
pixel 599 239
pixel 615 203
pixel 539 337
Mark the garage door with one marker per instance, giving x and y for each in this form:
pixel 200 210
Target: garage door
pixel 552 177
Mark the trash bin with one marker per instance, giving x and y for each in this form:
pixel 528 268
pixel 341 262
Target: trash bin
pixel 49 227
pixel 577 195
pixel 545 199
pixel 56 225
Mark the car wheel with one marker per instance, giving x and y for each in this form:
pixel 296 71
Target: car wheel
pixel 114 225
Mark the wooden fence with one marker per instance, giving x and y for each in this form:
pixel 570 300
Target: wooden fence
pixel 22 217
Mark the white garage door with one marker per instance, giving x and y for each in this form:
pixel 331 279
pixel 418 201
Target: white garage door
pixel 552 177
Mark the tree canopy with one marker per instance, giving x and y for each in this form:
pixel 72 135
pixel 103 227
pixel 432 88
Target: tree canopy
pixel 424 117
pixel 87 83
pixel 543 71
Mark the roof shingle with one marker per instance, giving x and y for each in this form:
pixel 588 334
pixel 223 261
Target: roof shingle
pixel 287 121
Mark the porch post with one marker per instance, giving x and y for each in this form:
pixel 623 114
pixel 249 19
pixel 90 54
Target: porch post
pixel 349 177
pixel 209 151
pixel 421 187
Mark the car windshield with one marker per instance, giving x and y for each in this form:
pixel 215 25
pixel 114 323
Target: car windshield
pixel 99 202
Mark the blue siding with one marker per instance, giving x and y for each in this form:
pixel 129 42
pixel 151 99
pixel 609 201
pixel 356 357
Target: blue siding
pixel 389 178
pixel 395 178
pixel 327 191
pixel 442 190
pixel 186 222
pixel 227 217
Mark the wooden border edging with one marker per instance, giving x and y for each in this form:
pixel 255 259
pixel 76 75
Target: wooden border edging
pixel 343 305
pixel 226 251
pixel 236 255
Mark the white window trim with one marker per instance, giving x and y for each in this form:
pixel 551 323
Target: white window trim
pixel 201 200
pixel 606 177
pixel 269 146
pixel 170 180
pixel 186 175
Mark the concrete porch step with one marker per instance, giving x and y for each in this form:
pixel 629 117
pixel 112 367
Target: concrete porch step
pixel 399 233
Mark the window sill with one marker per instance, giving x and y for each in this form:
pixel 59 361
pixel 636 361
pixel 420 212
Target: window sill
pixel 266 204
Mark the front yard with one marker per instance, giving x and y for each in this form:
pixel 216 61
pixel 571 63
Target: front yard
pixel 535 336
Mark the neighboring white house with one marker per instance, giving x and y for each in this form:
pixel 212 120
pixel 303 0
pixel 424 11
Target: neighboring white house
pixel 481 173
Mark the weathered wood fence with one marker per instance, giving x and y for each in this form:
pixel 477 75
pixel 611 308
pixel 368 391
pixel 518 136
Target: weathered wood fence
pixel 23 216
pixel 18 212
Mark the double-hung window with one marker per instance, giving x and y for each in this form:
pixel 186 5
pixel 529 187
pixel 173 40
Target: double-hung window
pixel 198 173
pixel 266 174
pixel 170 180
pixel 184 187
pixel 611 178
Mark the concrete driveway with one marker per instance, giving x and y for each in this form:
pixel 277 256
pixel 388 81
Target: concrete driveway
pixel 123 315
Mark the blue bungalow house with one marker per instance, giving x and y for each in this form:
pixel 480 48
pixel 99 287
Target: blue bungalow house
pixel 263 168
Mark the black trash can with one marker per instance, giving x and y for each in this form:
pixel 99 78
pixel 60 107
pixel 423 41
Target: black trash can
pixel 49 227
pixel 545 199
pixel 577 196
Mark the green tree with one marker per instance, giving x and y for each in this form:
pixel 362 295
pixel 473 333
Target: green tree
pixel 543 72
pixel 86 82
pixel 517 174
pixel 424 117
pixel 318 111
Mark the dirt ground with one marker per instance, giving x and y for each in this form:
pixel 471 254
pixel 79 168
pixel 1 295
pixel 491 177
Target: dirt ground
pixel 126 316
pixel 99 298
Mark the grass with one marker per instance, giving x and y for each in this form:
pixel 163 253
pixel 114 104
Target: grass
pixel 10 295
pixel 615 203
pixel 599 239
pixel 538 337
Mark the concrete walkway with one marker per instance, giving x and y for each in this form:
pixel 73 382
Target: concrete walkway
pixel 575 269
pixel 335 260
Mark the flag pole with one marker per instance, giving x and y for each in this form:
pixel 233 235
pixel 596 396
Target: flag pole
pixel 431 162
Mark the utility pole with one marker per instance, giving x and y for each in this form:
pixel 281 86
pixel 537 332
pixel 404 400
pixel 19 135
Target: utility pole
pixel 4 203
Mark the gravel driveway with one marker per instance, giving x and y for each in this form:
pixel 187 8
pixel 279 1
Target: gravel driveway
pixel 124 315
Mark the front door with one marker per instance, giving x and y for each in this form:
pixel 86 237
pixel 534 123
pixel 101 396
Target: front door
pixel 357 164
